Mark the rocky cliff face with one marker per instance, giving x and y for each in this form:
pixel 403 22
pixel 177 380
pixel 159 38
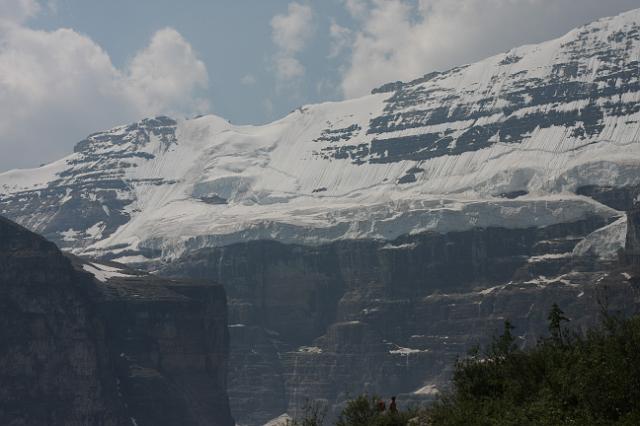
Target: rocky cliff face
pixel 54 363
pixel 115 348
pixel 170 344
pixel 336 320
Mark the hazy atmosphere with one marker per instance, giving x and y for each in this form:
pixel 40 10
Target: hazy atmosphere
pixel 320 213
pixel 72 67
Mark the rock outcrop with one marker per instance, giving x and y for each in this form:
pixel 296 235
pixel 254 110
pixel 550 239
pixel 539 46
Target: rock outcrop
pixel 336 320
pixel 55 367
pixel 170 344
pixel 107 347
pixel 631 254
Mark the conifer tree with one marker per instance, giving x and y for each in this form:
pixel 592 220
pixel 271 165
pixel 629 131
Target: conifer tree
pixel 555 318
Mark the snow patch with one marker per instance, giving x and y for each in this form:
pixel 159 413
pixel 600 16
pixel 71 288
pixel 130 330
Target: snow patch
pixel 310 349
pixel 103 272
pixel 281 420
pixel 406 351
pixel 95 232
pixel 408 246
pixel 549 256
pixel 427 390
pixel 490 290
pixel 604 242
pixel 70 235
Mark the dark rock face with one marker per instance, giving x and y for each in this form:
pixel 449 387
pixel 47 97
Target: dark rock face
pixel 78 351
pixel 632 245
pixel 618 198
pixel 170 346
pixel 54 364
pixel 333 321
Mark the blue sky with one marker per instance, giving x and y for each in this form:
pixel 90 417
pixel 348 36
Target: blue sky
pixel 233 39
pixel 72 67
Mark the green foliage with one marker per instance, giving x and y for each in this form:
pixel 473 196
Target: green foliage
pixel 566 379
pixel 555 318
pixel 363 411
pixel 360 411
pixel 313 414
pixel 505 344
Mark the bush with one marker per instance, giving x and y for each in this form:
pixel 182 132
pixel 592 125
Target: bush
pixel 314 413
pixel 566 379
pixel 363 411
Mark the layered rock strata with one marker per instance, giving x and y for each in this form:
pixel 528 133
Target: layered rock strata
pixel 97 344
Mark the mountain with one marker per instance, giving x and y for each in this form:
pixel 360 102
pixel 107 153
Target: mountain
pixel 442 153
pixel 364 244
pixel 88 343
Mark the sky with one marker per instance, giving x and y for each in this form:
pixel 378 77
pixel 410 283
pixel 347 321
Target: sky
pixel 69 68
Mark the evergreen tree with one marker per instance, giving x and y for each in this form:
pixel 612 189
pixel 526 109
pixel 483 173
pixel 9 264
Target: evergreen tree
pixel 555 318
pixel 588 379
pixel 504 344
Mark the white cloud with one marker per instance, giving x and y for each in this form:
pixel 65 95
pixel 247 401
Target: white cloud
pixel 58 86
pixel 340 38
pixel 357 8
pixel 164 76
pixel 291 33
pixel 248 80
pixel 18 10
pixel 288 67
pixel 403 39
pixel 328 89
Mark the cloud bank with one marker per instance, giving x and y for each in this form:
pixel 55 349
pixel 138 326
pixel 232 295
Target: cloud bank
pixel 58 86
pixel 404 39
pixel 291 33
pixel 18 10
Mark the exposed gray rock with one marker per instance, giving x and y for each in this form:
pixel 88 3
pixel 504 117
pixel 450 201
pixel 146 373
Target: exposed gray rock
pixel 334 321
pixel 170 345
pixel 90 200
pixel 110 350
pixel 55 367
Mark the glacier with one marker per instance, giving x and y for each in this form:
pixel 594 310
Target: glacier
pixel 508 141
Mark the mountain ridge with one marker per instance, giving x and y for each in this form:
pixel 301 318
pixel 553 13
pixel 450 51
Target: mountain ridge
pixel 512 132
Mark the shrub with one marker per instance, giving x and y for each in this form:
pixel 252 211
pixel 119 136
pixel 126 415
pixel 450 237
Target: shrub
pixel 566 379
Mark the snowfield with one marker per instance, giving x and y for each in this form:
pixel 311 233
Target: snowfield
pixel 503 142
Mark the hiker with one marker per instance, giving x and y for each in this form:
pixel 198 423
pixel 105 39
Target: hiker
pixel 393 409
pixel 381 406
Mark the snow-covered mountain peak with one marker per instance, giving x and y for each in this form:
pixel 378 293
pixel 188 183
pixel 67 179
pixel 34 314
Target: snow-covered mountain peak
pixel 507 141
